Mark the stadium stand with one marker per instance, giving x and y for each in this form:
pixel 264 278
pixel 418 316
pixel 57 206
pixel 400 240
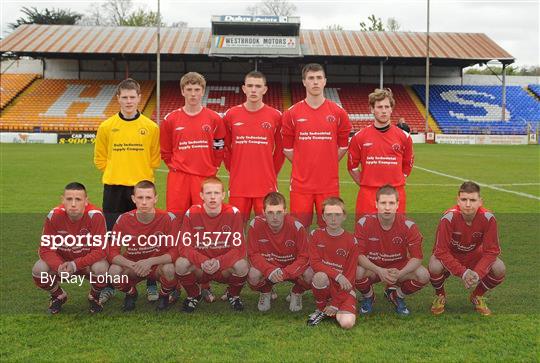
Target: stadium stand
pixel 219 96
pixel 12 85
pixel 354 99
pixel 66 105
pixel 535 88
pixel 477 109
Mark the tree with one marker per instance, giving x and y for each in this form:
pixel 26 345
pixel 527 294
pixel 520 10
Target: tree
pixel 141 18
pixel 334 27
pixel 46 16
pixel 272 7
pixel 392 25
pixel 123 13
pixel 376 25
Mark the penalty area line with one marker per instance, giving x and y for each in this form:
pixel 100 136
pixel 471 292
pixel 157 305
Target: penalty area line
pixel 489 186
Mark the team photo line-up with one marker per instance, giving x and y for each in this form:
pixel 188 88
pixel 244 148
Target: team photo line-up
pixel 218 243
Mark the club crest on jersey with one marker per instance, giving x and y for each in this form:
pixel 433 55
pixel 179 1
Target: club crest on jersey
pixel 206 128
pixel 84 231
pixel 266 125
pixel 396 147
pixel 341 252
pixel 331 118
pixel 143 131
pixel 397 240
pixel 226 228
pixel 289 243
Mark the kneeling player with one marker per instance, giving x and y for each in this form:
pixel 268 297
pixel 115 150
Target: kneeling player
pixel 467 246
pixel 333 255
pixel 212 247
pixel 277 250
pixel 149 254
pixel 390 251
pixel 75 217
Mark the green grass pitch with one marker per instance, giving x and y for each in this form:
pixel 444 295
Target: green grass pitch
pixel 32 178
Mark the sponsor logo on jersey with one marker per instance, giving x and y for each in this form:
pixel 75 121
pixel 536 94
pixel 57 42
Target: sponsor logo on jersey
pixel 320 246
pixel 63 232
pixel 397 240
pixel 330 118
pixel 289 243
pixel 198 228
pixel 180 128
pixel 226 228
pixel 206 128
pixel 266 125
pixel 367 144
pixel 238 124
pixel 341 252
pixel 396 147
pixel 115 130
pixel 301 120
pixel 373 239
pixel 143 131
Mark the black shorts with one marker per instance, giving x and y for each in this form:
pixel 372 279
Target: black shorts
pixel 116 200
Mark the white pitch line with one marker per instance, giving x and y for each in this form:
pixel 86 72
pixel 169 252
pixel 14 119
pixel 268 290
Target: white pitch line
pixel 408 184
pixel 490 186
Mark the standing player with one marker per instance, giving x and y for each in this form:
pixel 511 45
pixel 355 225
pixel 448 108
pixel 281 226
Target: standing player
pixel 126 151
pixel 278 252
pixel 333 255
pixel 150 251
pixel 192 140
pixel 467 246
pixel 253 147
pixel 315 137
pixel 391 252
pixel 213 247
pixel 380 154
pixel 74 217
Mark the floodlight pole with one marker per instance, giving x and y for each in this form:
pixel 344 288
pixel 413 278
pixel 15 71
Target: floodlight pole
pixel 503 111
pixel 158 66
pixel 427 71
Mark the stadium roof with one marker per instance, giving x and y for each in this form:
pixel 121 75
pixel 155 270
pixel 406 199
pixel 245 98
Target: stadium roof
pixel 67 40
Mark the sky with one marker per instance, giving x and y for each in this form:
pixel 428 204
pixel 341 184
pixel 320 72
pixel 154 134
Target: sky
pixel 513 25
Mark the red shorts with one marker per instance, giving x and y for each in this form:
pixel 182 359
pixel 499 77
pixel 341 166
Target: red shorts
pixel 344 301
pixel 217 277
pixel 367 196
pixel 302 206
pixel 470 259
pixel 183 191
pixel 398 264
pixel 245 204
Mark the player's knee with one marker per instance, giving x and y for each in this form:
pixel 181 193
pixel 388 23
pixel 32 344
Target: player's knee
pixel 181 266
pixel 100 267
pixel 39 267
pixel 320 279
pixel 422 275
pixel 435 266
pixel 168 271
pixel 241 268
pixel 346 321
pixel 498 268
pixel 307 276
pixel 254 276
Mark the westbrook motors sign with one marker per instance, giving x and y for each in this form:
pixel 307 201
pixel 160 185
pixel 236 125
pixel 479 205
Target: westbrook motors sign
pixel 236 41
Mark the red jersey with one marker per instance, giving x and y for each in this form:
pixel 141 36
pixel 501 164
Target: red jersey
pixel 385 157
pixel 315 136
pixel 253 150
pixel 82 254
pixel 220 237
pixel 334 255
pixel 141 245
pixel 287 249
pixel 384 248
pixel 192 144
pixel 455 238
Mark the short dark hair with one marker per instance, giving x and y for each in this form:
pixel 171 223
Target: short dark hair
pixel 145 184
pixel 75 186
pixel 469 187
pixel 274 198
pixel 255 74
pixel 128 84
pixel 334 201
pixel 312 67
pixel 387 190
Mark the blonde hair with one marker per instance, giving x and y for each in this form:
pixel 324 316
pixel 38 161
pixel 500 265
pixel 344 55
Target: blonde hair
pixel 192 78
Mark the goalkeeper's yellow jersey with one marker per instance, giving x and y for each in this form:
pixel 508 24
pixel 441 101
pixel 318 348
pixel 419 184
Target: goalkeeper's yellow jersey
pixel 127 151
